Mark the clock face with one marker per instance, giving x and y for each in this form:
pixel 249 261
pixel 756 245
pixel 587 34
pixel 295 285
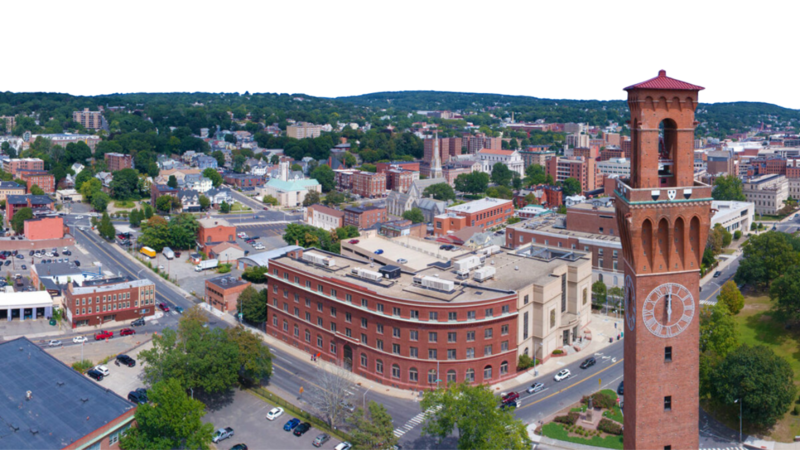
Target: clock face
pixel 668 310
pixel 630 303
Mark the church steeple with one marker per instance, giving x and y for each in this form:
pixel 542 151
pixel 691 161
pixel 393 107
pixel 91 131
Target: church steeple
pixel 436 163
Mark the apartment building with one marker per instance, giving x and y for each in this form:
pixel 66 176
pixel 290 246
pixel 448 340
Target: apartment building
pixel 368 184
pixel 364 216
pixel 474 144
pixel 767 192
pixel 118 161
pixel 223 292
pixel 324 217
pixel 39 178
pixel 448 148
pixel 243 180
pixel 485 213
pixel 582 169
pixel 108 301
pixel 578 140
pixel 10 188
pixel 91 120
pixel 400 180
pixel 615 166
pixel 15 165
pixel 409 330
pixel 302 130
pixel 62 139
pixel 537 155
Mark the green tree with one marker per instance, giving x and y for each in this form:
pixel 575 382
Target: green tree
pixel 471 412
pixel 373 430
pixel 89 188
pixel 252 304
pixel 334 198
pixel 100 201
pixel 255 359
pixel 18 221
pixel 164 203
pixel 502 175
pixel 440 191
pixel 106 228
pixel 297 167
pixel 500 192
pixel 274 159
pixel 472 183
pixel 172 182
pixel 270 200
pixel 214 176
pixel 349 159
pixel 760 379
pixel 204 202
pixel 171 419
pixel 718 331
pixel 766 257
pixel 147 212
pixel 135 218
pixel 83 176
pixel 534 175
pixel 125 184
pixel 414 215
pixel 36 190
pixel 731 297
pixel 312 198
pixel 728 187
pixel 155 233
pixel 219 156
pixel 325 176
pixel 183 231
pixel 599 292
pixel 256 274
pixel 785 291
pixel 224 207
pixel 571 186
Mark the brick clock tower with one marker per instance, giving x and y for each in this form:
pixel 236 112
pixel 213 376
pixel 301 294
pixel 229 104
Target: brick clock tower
pixel 663 216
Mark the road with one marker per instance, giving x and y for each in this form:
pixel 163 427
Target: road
pixel 711 289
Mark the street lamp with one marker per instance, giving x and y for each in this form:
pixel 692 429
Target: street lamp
pixel 364 398
pixel 739 401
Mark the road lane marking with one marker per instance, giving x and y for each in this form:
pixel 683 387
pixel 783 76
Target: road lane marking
pixel 570 386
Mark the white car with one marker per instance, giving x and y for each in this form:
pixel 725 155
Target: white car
pixel 79 217
pixel 54 343
pixel 102 369
pixel 80 339
pixel 343 446
pixel 563 375
pixel 65 249
pixel 274 413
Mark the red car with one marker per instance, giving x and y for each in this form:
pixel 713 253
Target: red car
pixel 126 331
pixel 163 307
pixel 103 335
pixel 353 241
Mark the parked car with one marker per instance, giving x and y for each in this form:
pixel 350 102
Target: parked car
pixel 239 447
pixel 348 406
pixel 24 267
pixel 79 339
pixel 379 251
pixel 588 362
pixel 343 446
pixel 138 322
pixel 536 387
pixel 402 261
pixel 54 343
pixel 717 274
pixel 289 426
pixel 321 439
pixel 222 434
pixel 562 375
pixel 138 396
pixel 620 389
pixel 30 253
pixel 510 397
pixel 302 428
pixel 163 306
pixel 77 263
pixel 126 360
pixel 274 413
pixel 353 241
pixel 103 335
pixel 179 309
pixel 95 374
pixel 102 369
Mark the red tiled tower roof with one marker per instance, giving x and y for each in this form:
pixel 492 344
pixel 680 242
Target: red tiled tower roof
pixel 663 82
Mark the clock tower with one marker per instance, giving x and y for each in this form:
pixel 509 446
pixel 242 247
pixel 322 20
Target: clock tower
pixel 663 216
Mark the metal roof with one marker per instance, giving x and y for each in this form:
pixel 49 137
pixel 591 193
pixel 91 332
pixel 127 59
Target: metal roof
pixel 663 82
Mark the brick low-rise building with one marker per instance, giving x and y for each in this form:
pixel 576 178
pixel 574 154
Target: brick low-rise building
pixel 324 217
pixel 411 330
pixel 243 180
pixel 214 231
pixel 364 216
pixel 223 292
pixel 484 213
pixel 118 161
pixel 41 178
pixel 44 228
pixel 16 165
pixel 160 190
pixel 38 203
pixel 578 167
pixel 108 300
pixel 368 184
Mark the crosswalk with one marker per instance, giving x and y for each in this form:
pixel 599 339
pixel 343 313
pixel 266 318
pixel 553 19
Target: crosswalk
pixel 722 448
pixel 414 421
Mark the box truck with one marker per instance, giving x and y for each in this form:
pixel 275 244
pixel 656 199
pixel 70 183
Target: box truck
pixel 207 264
pixel 168 253
pixel 147 251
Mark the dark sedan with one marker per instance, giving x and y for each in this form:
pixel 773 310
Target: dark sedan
pixel 589 362
pixel 302 428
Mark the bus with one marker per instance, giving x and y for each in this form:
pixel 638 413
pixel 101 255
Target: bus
pixel 147 251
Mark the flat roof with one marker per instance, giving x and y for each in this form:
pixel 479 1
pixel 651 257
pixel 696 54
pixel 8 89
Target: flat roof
pixel 479 205
pixel 227 281
pixel 213 222
pixel 65 405
pixel 553 225
pixel 514 271
pixel 25 300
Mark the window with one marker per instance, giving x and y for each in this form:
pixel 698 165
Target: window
pixel 504 310
pixel 363 360
pixel 586 294
pixel 364 303
pixel 333 293
pixel 308 303
pixel 432 353
pixel 274 321
pixel 470 376
pixel 525 326
pixel 413 335
pixel 414 314
pixel 487 350
pixel 451 353
pixel 413 375
pixel 600 262
pixel 380 328
pixel 296 330
pixel 470 336
pixel 308 336
pixel 395 371
pixel 319 288
pixel 333 348
pixel 285 293
pixel 378 366
pixel 504 346
pixel 333 327
pixel 296 280
pixel 564 292
pixel 504 330
pixel 396 349
pixel 363 322
pixel 296 298
pixel 470 353
pixel 667 354
pixel 489 312
pixel 615 265
pixel 413 352
pixel 432 378
pixel 668 403
pixel 396 311
pixel 552 318
pixel 319 306
pixel 396 332
pixel 451 336
pixel 348 332
pixel 379 344
pixel 470 315
pixel 333 311
pixel 274 291
pixel 586 248
pixel 432 336
pixel 363 338
pixel 285 326
pixel 319 322
pixel 433 315
pixel 487 333
pixel 600 250
pixel 349 298
pixel 503 368
pixel 348 317
pixel 614 253
pixel 297 312
pixel 380 307
pixel 308 317
pixel 319 341
pixel 308 284
pixel 487 373
pixel 451 376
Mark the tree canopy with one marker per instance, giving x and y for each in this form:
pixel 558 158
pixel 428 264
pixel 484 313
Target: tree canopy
pixel 728 187
pixel 570 187
pixel 440 191
pixel 372 428
pixel 414 215
pixel 472 183
pixel 325 176
pixel 125 184
pixel 501 174
pixel 766 257
pixel 19 218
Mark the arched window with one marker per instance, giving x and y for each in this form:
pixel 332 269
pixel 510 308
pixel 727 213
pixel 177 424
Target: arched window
pixel 526 351
pixel 413 375
pixel 451 376
pixel 296 330
pixel 395 371
pixel 378 366
pixel 470 376
pixel 285 326
pixel 363 360
pixel 503 368
pixel 487 373
pixel 432 376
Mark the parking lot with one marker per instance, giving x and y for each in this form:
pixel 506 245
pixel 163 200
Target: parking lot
pixel 270 235
pixel 246 414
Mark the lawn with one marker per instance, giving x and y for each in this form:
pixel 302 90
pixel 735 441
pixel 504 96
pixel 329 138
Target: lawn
pixel 239 207
pixel 758 327
pixel 556 431
pixel 126 204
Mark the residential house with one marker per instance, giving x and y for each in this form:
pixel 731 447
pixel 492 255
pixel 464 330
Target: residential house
pixel 190 200
pixel 324 217
pixel 226 252
pixel 204 162
pixel 196 182
pixel 217 196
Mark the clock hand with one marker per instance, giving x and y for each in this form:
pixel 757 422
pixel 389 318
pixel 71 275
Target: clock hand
pixel 669 308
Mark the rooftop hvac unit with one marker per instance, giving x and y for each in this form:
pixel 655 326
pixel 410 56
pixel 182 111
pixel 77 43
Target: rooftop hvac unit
pixel 439 285
pixel 490 250
pixel 367 274
pixel 468 263
pixel 318 259
pixel 484 273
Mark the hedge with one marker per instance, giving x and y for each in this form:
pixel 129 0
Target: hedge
pixel 609 426
pixel 570 419
pixel 600 400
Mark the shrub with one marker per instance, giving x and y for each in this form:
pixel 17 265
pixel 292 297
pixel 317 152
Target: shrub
pixel 569 419
pixel 610 427
pixel 224 268
pixel 796 411
pixel 82 366
pixel 524 362
pixel 600 400
pixel 558 352
pixel 737 234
